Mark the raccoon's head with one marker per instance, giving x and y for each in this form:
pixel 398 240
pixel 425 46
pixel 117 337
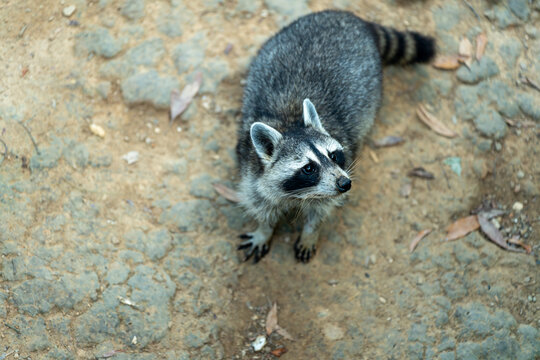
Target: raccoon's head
pixel 306 163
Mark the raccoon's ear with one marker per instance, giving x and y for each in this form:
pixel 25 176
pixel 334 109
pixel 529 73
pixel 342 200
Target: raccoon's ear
pixel 311 118
pixel 265 139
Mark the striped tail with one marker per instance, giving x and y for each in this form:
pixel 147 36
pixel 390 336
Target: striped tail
pixel 408 47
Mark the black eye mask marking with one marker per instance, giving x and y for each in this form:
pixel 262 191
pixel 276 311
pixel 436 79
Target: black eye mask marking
pixel 303 179
pixel 338 157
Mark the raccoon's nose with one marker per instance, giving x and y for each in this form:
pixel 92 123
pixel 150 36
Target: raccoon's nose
pixel 343 184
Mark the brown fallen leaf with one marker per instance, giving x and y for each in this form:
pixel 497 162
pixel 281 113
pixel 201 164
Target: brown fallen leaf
pixel 466 51
pixel 226 192
pixel 421 173
pixel 111 354
pixel 491 213
pixel 180 102
pixel 481 42
pixel 281 331
pixel 422 234
pixel 271 320
pixel 516 241
pixel 388 141
pixel 433 123
pixel 447 62
pixel 493 233
pixel 462 227
pixel 278 352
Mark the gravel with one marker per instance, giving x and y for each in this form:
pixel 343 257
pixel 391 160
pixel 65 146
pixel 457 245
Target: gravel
pixel 510 50
pixel 491 124
pixel 190 54
pixel 190 215
pixel 149 87
pixel 479 70
pixel 520 8
pixel 133 9
pixel 97 41
pixel 447 16
pixel 529 105
pixel 501 16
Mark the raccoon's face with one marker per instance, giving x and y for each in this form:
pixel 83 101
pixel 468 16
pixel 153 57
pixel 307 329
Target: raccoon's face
pixel 304 164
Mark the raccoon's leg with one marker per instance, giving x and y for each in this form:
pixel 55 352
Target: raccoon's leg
pixel 306 245
pixel 257 243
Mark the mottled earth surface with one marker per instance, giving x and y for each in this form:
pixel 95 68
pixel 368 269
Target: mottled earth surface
pixel 98 255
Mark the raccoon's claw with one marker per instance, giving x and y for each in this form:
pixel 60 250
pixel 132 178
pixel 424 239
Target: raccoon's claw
pixel 251 248
pixel 303 253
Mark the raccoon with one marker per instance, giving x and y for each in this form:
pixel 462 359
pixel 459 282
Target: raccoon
pixel 311 95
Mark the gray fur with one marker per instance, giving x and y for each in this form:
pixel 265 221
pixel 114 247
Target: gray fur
pixel 316 86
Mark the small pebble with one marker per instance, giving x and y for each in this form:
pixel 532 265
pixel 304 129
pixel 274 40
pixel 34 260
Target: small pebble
pixel 97 130
pixel 69 10
pixel 520 174
pixel 131 157
pixel 496 223
pixel 134 340
pixel 259 343
pixel 517 206
pixel 157 130
pixel 498 146
pixel 383 300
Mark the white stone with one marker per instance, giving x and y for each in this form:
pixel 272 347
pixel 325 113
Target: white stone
pixel 69 10
pixel 259 343
pixel 517 206
pixel 131 157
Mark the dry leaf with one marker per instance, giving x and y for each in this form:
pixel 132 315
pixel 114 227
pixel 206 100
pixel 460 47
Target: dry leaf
pixel 492 232
pixel 462 227
pixel 433 122
pixel 111 354
pixel 481 42
pixel 227 192
pixel 447 62
pixel 271 320
pixel 516 241
pixel 278 352
pixel 466 51
pixel 422 234
pixel 281 331
pixel 180 102
pixel 421 173
pixel 388 141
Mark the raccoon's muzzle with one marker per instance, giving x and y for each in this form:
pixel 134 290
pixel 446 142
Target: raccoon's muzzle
pixel 343 184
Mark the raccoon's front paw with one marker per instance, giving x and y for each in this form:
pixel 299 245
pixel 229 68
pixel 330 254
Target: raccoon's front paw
pixel 304 252
pixel 253 247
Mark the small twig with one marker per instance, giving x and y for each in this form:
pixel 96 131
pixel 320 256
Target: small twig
pixel 445 176
pixel 5 151
pixel 525 80
pixel 31 137
pixel 472 8
pixel 5 355
pixel 13 328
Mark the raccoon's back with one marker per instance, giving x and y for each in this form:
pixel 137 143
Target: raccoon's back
pixel 330 57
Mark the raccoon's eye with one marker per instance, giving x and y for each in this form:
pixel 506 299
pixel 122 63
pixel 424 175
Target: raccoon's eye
pixel 333 156
pixel 308 169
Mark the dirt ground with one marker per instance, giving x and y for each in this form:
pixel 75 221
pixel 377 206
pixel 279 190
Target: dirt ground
pixel 83 233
